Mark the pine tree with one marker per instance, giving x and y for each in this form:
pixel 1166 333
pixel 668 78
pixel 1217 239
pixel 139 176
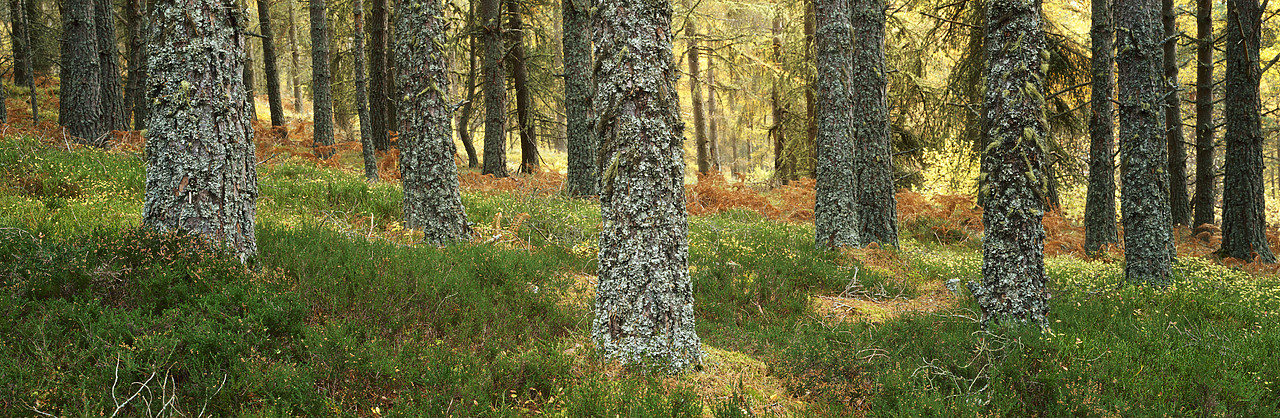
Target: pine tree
pixel 362 95
pixel 80 107
pixel 877 205
pixel 1179 202
pixel 581 135
pixel 135 97
pixel 495 90
pixel 1206 190
pixel 321 94
pixel 468 104
pixel 1100 203
pixel 1244 218
pixel 269 63
pixel 115 116
pixel 529 159
pixel 695 91
pixel 379 76
pixel 835 211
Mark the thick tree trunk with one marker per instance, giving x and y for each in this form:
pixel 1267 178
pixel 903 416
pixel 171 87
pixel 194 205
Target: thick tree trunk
pixel 18 37
pixel 269 63
pixel 379 85
pixel 1148 238
pixel 1013 165
pixel 644 299
pixel 468 106
pixel 580 130
pixel 877 205
pixel 1100 203
pixel 80 107
pixel 362 95
pixel 1206 182
pixel 431 199
pixel 297 63
pixel 835 212
pixel 495 90
pixel 1244 220
pixel 201 174
pixel 782 167
pixel 114 114
pixel 1179 202
pixel 135 97
pixel 713 137
pixel 524 101
pixel 695 92
pixel 321 95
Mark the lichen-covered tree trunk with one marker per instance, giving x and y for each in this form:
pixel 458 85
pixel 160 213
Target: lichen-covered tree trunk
pixel 135 97
pixel 495 90
pixel 114 114
pixel 362 94
pixel 782 170
pixel 297 62
pixel 580 130
pixel 379 85
pixel 877 205
pixel 1100 203
pixel 1144 193
pixel 835 211
pixel 1179 202
pixel 644 299
pixel 1206 181
pixel 431 199
pixel 269 63
pixel 321 93
pixel 1013 166
pixel 1244 218
pixel 18 38
pixel 695 91
pixel 80 107
pixel 524 100
pixel 468 105
pixel 201 174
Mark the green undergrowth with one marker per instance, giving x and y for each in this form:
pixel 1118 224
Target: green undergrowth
pixel 331 318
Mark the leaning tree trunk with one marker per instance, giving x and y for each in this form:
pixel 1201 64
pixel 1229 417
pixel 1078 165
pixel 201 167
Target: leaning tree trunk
pixel 782 169
pixel 201 174
pixel 580 130
pixel 135 98
pixel 362 95
pixel 695 91
pixel 877 205
pixel 80 107
pixel 1144 199
pixel 269 63
pixel 1100 203
pixel 468 105
pixel 644 299
pixel 379 87
pixel 1244 220
pixel 431 199
pixel 495 90
pixel 1179 202
pixel 1206 190
pixel 1013 166
pixel 524 101
pixel 297 63
pixel 321 94
pixel 835 212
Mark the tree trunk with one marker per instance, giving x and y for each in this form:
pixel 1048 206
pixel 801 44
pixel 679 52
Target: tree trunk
pixel 29 36
pixel 379 85
pixel 431 199
pixel 247 73
pixel 464 118
pixel 695 91
pixel 644 299
pixel 878 207
pixel 835 211
pixel 1100 203
pixel 201 175
pixel 362 95
pixel 1148 238
pixel 495 90
pixel 1244 220
pixel 1206 187
pixel 18 36
pixel 80 107
pixel 135 98
pixel 115 116
pixel 809 146
pixel 580 130
pixel 524 103
pixel 782 169
pixel 1179 202
pixel 269 63
pixel 713 137
pixel 1013 165
pixel 297 63
pixel 321 95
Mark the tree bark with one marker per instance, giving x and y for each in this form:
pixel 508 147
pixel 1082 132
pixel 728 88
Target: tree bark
pixel 782 167
pixel 269 63
pixel 379 85
pixel 877 205
pixel 524 101
pixel 644 299
pixel 835 211
pixel 468 106
pixel 21 47
pixel 321 94
pixel 1013 166
pixel 713 137
pixel 495 90
pixel 247 73
pixel 115 115
pixel 1100 203
pixel 1179 202
pixel 1244 218
pixel 1206 182
pixel 80 107
pixel 362 95
pixel 201 174
pixel 808 147
pixel 135 98
pixel 1148 238
pixel 297 63
pixel 578 82
pixel 695 91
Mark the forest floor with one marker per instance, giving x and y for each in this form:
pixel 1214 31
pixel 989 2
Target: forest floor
pixel 344 313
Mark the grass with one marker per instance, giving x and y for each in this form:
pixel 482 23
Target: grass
pixel 341 314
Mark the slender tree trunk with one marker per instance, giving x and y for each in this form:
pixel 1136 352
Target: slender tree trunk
pixel 1244 220
pixel 877 205
pixel 29 35
pixel 808 147
pixel 1148 238
pixel 1206 187
pixel 362 95
pixel 464 118
pixel 644 299
pixel 524 103
pixel 201 175
pixel 1179 202
pixel 695 91
pixel 297 62
pixel 379 85
pixel 321 95
pixel 782 168
pixel 18 35
pixel 1100 203
pixel 578 82
pixel 80 107
pixel 135 98
pixel 269 63
pixel 713 137
pixel 247 73
pixel 495 90
pixel 115 116
pixel 835 212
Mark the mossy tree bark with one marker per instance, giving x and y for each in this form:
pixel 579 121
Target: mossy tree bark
pixel 1206 182
pixel 431 199
pixel 80 107
pixel 877 205
pixel 495 90
pixel 1144 199
pixel 644 300
pixel 270 70
pixel 362 94
pixel 201 174
pixel 835 212
pixel 1013 166
pixel 524 101
pixel 321 93
pixel 1100 202
pixel 1179 201
pixel 1244 218
pixel 578 108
